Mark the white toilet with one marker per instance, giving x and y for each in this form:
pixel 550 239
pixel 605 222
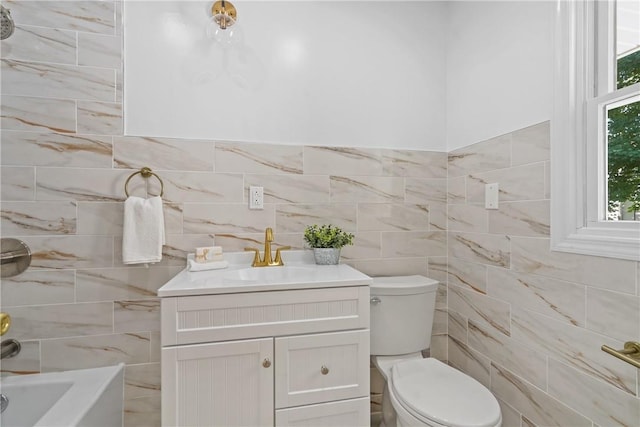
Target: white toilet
pixel 420 391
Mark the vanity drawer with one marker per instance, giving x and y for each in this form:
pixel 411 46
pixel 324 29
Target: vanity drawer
pixel 321 368
pixel 353 413
pixel 209 318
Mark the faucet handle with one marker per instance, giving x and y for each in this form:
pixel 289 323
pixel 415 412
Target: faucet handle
pixel 278 260
pixel 256 257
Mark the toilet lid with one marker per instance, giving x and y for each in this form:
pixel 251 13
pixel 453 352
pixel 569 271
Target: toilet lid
pixel 432 390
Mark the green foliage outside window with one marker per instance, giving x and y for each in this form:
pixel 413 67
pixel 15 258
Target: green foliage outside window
pixel 624 141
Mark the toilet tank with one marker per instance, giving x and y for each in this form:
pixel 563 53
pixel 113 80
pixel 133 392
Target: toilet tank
pixel 402 310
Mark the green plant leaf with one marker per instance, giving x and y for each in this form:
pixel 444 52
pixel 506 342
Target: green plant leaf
pixel 327 236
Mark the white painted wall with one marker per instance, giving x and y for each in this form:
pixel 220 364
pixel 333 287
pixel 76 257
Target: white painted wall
pixel 430 76
pixel 363 74
pixel 499 68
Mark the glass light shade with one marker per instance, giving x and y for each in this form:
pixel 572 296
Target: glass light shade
pixel 230 36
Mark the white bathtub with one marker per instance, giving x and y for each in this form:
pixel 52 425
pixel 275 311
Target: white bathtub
pixel 86 397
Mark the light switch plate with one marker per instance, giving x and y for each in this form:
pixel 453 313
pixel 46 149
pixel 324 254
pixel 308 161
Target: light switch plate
pixel 491 196
pixel 256 197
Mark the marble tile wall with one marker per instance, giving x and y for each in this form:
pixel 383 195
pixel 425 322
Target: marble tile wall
pixel 523 320
pixel 64 161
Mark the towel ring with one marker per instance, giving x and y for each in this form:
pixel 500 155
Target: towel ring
pixel 146 173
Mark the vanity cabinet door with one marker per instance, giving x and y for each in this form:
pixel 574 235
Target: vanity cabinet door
pixel 322 367
pixel 218 384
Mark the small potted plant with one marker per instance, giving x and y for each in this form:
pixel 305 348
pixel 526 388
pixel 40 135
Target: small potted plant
pixel 326 242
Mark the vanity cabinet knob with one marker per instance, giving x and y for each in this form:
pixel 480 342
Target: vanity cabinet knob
pixel 266 362
pixel 324 370
pixel 375 300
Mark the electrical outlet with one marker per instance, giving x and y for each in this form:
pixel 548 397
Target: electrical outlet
pixel 256 197
pixel 491 196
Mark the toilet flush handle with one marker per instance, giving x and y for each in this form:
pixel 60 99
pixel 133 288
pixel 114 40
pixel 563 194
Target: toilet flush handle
pixel 375 300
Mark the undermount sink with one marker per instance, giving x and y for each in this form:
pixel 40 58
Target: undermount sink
pixel 281 274
pixel 85 397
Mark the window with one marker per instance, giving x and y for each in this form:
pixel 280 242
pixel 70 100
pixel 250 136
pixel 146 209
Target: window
pixel 595 129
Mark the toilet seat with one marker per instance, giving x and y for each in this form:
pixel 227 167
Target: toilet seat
pixel 385 363
pixel 437 394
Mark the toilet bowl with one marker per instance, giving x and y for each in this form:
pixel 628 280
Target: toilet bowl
pixel 420 391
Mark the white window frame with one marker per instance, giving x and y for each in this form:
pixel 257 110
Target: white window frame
pixel 578 135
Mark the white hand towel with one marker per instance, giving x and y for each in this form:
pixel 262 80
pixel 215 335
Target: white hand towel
pixel 143 232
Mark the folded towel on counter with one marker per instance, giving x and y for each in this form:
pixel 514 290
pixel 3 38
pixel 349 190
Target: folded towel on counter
pixel 192 265
pixel 143 230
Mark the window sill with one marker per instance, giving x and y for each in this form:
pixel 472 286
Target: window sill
pixel 601 242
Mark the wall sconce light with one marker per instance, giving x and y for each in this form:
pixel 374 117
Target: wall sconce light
pixel 223 16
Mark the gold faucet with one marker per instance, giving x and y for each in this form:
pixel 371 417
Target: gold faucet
pixel 267 261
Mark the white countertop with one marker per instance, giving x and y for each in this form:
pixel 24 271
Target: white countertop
pixel 299 272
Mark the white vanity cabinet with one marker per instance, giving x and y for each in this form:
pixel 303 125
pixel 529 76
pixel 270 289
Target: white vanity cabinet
pixel 283 357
